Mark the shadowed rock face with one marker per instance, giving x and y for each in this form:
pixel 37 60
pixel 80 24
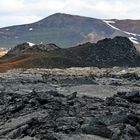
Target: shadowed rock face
pixel 26 48
pixel 35 109
pixel 110 52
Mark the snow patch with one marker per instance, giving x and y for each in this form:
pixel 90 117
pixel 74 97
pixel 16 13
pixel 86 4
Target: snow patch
pixel 31 44
pixel 134 40
pixel 110 21
pixel 131 33
pixel 123 71
pixel 30 29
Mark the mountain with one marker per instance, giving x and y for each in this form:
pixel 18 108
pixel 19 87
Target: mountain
pixel 118 51
pixel 62 29
pixel 132 26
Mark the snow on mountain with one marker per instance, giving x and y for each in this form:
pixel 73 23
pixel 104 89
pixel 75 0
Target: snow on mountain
pixel 66 31
pixel 132 35
pixel 31 44
pixel 108 23
pixel 30 29
pixel 134 40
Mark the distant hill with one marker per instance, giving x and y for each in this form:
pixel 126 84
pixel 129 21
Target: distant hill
pixel 118 51
pixel 64 30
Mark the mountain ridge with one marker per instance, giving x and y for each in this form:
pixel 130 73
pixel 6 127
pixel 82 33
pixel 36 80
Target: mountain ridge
pixel 61 29
pixel 118 51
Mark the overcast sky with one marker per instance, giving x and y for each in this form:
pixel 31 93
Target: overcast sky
pixel 13 12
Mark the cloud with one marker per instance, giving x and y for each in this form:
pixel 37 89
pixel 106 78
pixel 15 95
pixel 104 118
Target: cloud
pixel 26 11
pixel 16 20
pixel 104 8
pixel 7 6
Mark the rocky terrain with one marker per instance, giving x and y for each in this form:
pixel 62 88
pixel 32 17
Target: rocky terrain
pixel 67 104
pixel 31 48
pixel 119 51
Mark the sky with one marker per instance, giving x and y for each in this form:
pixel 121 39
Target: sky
pixel 15 12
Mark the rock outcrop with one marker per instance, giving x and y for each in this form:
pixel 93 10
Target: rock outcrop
pixel 119 51
pixel 27 48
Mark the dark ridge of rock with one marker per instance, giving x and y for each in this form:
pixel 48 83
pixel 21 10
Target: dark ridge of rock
pixel 118 51
pixel 114 52
pixel 105 53
pixel 19 49
pixel 42 47
pixel 27 48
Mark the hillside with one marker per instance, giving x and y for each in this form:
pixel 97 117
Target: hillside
pixel 126 24
pixel 62 29
pixel 118 51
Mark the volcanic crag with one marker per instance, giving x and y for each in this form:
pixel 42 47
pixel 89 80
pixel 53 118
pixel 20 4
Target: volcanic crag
pixel 118 51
